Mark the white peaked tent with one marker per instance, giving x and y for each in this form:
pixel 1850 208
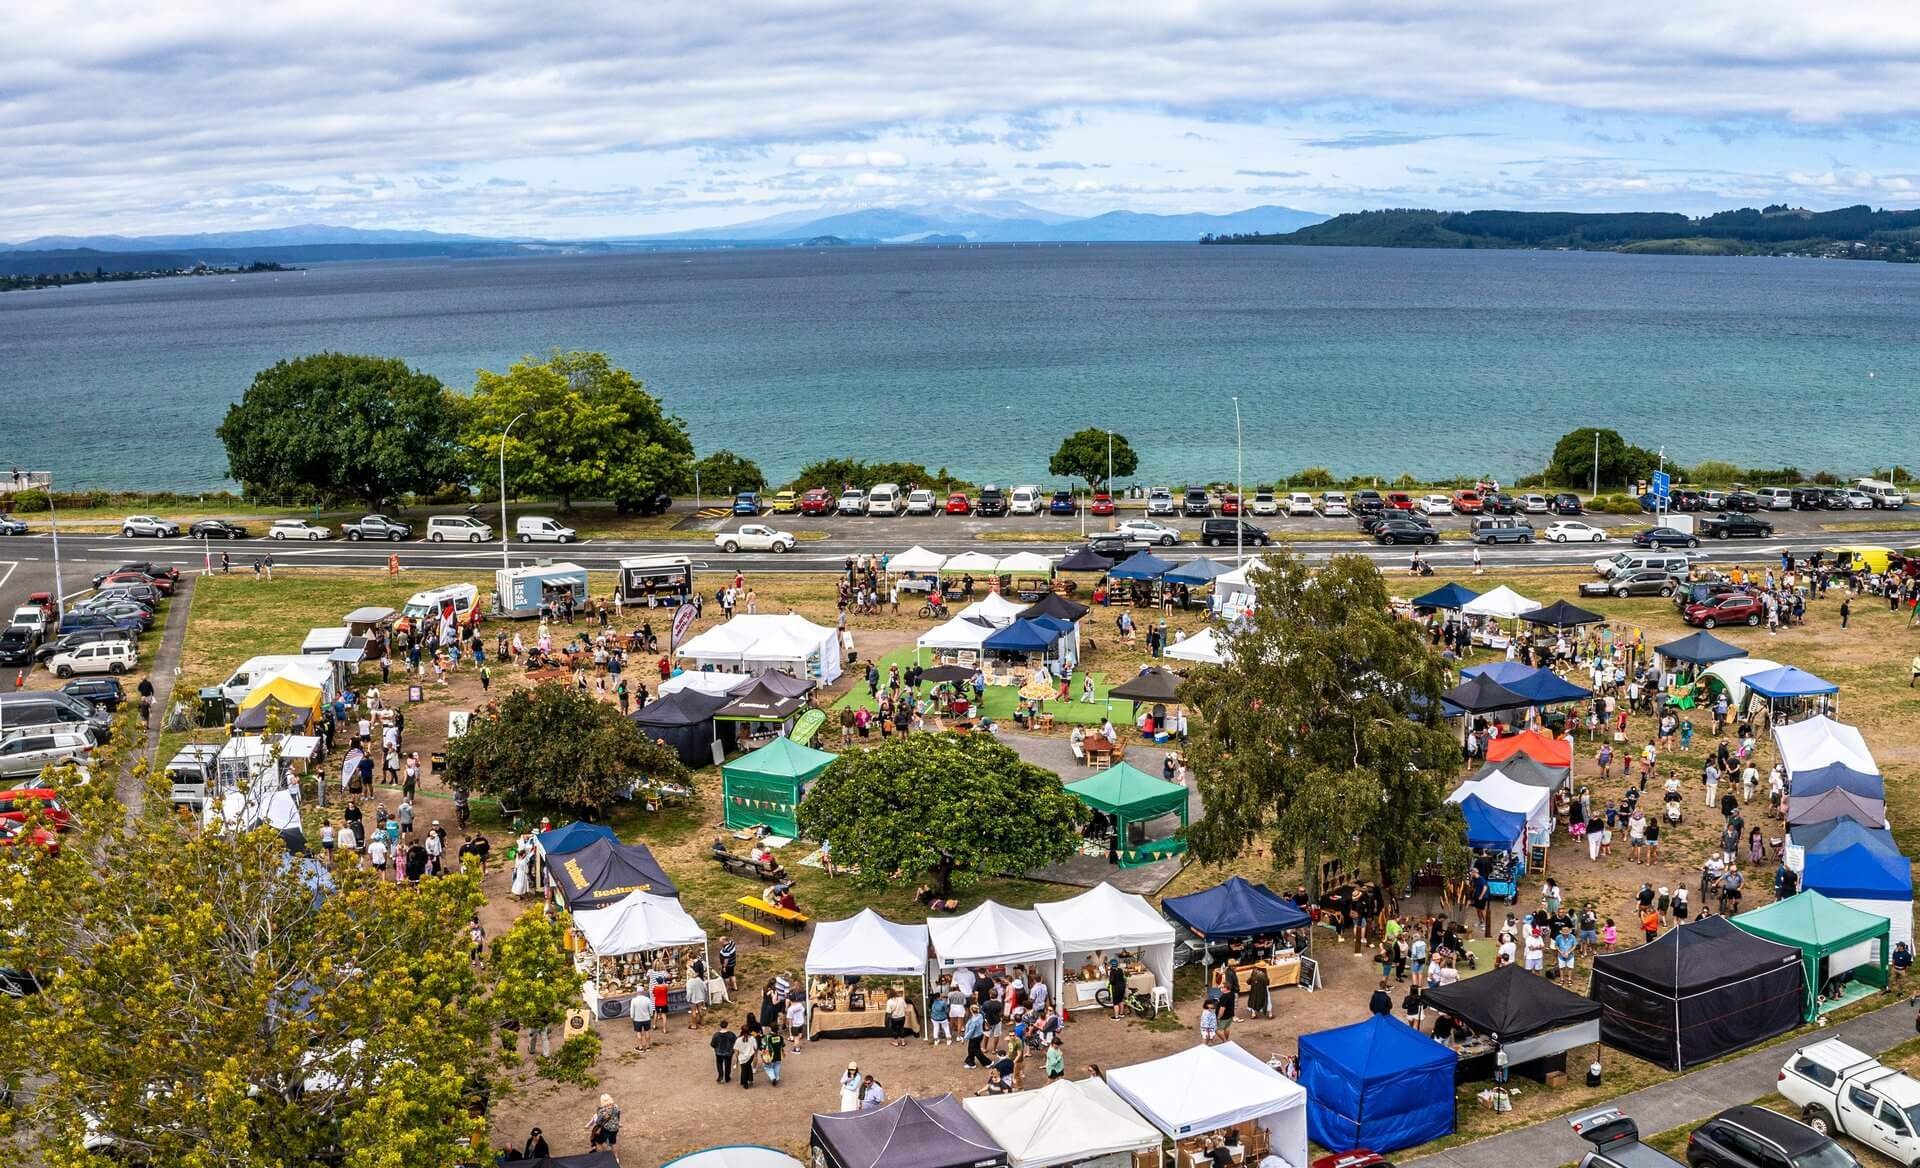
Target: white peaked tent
pixel 1497 790
pixel 995 609
pixel 869 945
pixel 1733 675
pixel 1503 602
pixel 1821 741
pixel 636 923
pixel 1025 563
pixel 957 634
pixel 992 934
pixel 711 684
pixel 973 562
pixel 763 642
pixel 735 1156
pixel 1105 918
pixel 1204 647
pixel 1206 1088
pixel 916 559
pixel 1233 591
pixel 1069 1121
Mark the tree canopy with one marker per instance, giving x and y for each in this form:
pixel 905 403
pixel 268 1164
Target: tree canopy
pixel 953 807
pixel 1084 456
pixel 1324 739
pixel 1621 463
pixel 338 426
pixel 591 431
pixel 723 470
pixel 553 746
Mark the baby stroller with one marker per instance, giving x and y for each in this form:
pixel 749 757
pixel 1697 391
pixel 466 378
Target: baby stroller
pixel 1674 800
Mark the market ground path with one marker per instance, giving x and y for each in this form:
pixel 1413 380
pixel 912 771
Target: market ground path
pixel 1687 1099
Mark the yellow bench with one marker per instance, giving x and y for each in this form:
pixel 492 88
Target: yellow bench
pixel 785 916
pixel 765 934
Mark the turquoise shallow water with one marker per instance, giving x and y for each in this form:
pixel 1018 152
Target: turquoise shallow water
pixel 981 359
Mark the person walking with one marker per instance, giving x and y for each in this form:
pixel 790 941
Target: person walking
pixel 723 1043
pixel 850 1082
pixel 1846 610
pixel 745 1051
pixel 774 1044
pixel 640 1010
pixel 974 1031
pixel 603 1130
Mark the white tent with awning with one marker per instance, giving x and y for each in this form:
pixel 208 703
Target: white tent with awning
pixel 762 642
pixel 1205 1088
pixel 973 562
pixel 1821 741
pixel 1233 591
pixel 916 559
pixel 1025 564
pixel 1069 1121
pixel 961 634
pixel 868 945
pixel 638 923
pixel 1502 603
pixel 1497 790
pixel 1733 675
pixel 992 934
pixel 1103 919
pixel 1204 647
pixel 711 684
pixel 995 609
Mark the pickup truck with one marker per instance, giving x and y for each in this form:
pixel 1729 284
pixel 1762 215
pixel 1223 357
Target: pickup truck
pixel 376 527
pixel 1732 525
pixel 1841 1091
pixel 1616 1141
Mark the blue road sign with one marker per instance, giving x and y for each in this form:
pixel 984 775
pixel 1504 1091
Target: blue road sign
pixel 1662 484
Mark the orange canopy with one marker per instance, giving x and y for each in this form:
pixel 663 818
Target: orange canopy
pixel 1539 747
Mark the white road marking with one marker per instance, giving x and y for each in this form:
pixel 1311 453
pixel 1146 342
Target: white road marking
pixel 8 574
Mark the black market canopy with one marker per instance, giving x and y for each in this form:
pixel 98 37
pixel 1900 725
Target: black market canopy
pixel 1531 1016
pixel 1701 648
pixel 906 1133
pixel 605 871
pixel 684 720
pixel 1561 615
pixel 940 673
pixel 1084 560
pixel 1054 605
pixel 1702 990
pixel 1480 695
pixel 1153 684
pixel 761 702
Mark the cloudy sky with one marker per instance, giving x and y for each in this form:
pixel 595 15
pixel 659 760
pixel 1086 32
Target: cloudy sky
pixel 595 119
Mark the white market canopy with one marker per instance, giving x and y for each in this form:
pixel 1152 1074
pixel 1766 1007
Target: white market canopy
pixel 1497 790
pixel 1204 647
pixel 1025 563
pixel 1821 741
pixel 1066 1122
pixel 637 923
pixel 765 641
pixel 700 681
pixel 995 609
pixel 868 945
pixel 992 934
pixel 1503 602
pixel 1105 918
pixel 735 1156
pixel 1733 675
pixel 959 633
pixel 916 559
pixel 973 562
pixel 1206 1088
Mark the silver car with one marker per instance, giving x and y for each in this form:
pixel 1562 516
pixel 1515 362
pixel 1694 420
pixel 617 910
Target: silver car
pixel 31 753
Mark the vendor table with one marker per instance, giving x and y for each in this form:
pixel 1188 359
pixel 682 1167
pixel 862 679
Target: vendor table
pixel 1100 752
pixel 1085 993
pixel 870 1022
pixel 1282 970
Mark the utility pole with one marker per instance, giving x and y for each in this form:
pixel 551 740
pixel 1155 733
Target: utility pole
pixel 1596 462
pixel 1239 485
pixel 504 565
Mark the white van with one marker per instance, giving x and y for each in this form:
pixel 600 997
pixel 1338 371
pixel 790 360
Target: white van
pixel 309 668
pixel 1776 498
pixel 540 529
pixel 1627 563
pixel 431 602
pixel 1883 494
pixel 458 528
pixel 884 500
pixel 1026 501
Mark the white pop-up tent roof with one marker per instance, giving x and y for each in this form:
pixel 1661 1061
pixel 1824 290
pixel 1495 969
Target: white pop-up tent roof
pixel 1733 675
pixel 1205 1088
pixel 1497 790
pixel 1820 741
pixel 1104 918
pixel 992 934
pixel 959 633
pixel 1026 563
pixel 973 562
pixel 1204 647
pixel 995 609
pixel 712 684
pixel 867 944
pixel 916 559
pixel 1502 602
pixel 1066 1122
pixel 765 641
pixel 636 923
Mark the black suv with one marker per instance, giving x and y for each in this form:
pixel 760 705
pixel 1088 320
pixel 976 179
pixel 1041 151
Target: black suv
pixel 104 692
pixel 17 645
pixel 1371 523
pixel 1197 505
pixel 1807 498
pixel 1365 502
pixel 1733 525
pixel 1753 1137
pixel 1834 499
pixel 1743 501
pixel 1565 503
pixel 1398 529
pixel 1221 532
pixel 992 502
pixel 1499 503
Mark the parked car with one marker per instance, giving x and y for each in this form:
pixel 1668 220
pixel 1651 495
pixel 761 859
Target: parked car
pixel 1435 505
pixel 16 802
pixel 1733 525
pixel 1753 1137
pixel 1301 503
pixel 1638 582
pixel 1616 1141
pixel 1685 499
pixel 1468 502
pixel 1062 503
pixel 33 618
pixel 17 645
pixel 1733 608
pixel 1102 504
pixel 104 692
pixel 542 529
pixel 1534 504
pixel 159 584
pixel 217 529
pixel 1834 499
pixel 786 502
pixel 1500 503
pixel 298 529
pixel 1266 503
pixel 746 503
pixel 34 751
pixel 1566 503
pixel 817 501
pixel 1222 532
pixel 1160 502
pixel 11 526
pixel 459 528
pixel 1738 500
pixel 1665 537
pixel 1804 498
pixel 1396 529
pixel 1397 501
pixel 1230 504
pixel 1197 505
pixel 1574 531
pixel 138 591
pixel 754 537
pixel 115 657
pixel 146 568
pixel 959 504
pixel 1333 505
pixel 884 501
pixel 993 502
pixel 1840 1091
pixel 149 526
pixel 1634 560
pixel 1859 500
pixel 922 502
pixel 852 501
pixel 1371 523
pixel 1148 533
pixel 1491 529
pixel 76 620
pixel 1366 500
pixel 69 639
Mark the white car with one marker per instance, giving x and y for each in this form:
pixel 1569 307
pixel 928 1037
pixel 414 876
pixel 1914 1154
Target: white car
pixel 1299 503
pixel 1534 504
pixel 149 525
pixel 1434 505
pixel 755 537
pixel 922 503
pixel 1860 501
pixel 853 501
pixel 1572 530
pixel 1147 531
pixel 115 657
pixel 1265 504
pixel 1841 1091
pixel 1333 505
pixel 298 529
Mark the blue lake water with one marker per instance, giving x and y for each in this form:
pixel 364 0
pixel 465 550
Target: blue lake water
pixel 981 359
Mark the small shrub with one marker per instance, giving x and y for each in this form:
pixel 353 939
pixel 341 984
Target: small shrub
pixel 1314 477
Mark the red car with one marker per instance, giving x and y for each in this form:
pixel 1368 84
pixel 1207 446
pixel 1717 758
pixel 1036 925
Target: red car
pixel 959 504
pixel 1731 608
pixel 1102 504
pixel 1399 501
pixel 1468 502
pixel 10 835
pixel 161 584
pixel 817 501
pixel 14 804
pixel 44 600
pixel 1230 505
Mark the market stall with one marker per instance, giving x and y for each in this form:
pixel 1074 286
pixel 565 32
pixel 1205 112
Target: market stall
pixel 766 787
pixel 707 681
pixel 847 960
pixel 733 1156
pixel 565 839
pixel 634 938
pixel 1104 922
pixel 992 938
pixel 1056 606
pixel 1561 615
pixel 1524 769
pixel 1729 676
pixel 1084 559
pixel 1378 1084
pixel 1864 876
pixel 1703 989
pixel 1491 829
pixel 1078 1122
pixel 1447 597
pixel 1543 748
pixel 1701 648
pixel 1541 687
pixel 1207 1090
pixel 1836 803
pixel 1785 683
pixel 1840 776
pixel 1837 943
pixel 605 870
pixel 1821 741
pixel 1535 1021
pixel 1027 575
pixel 1208 647
pixel 1144 814
pixel 1260 928
pixel 906 1133
pixel 763 712
pixel 1233 593
pixel 685 721
pixel 994 609
pixel 297 701
pixel 1536 803
pixel 957 641
pixel 762 642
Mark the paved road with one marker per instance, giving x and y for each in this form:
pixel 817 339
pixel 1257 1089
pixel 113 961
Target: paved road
pixel 1681 1102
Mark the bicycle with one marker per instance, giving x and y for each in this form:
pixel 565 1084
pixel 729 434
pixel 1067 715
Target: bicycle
pixel 1134 1001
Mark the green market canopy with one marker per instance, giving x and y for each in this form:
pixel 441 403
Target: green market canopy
pixel 1834 939
pixel 767 785
pixel 1135 800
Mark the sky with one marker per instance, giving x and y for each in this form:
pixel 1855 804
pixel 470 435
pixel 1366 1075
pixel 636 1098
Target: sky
pixel 579 120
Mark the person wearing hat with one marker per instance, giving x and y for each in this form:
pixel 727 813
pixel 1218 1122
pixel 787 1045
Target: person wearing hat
pixel 850 1088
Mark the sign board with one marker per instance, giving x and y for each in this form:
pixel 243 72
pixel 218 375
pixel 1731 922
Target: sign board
pixel 1662 484
pixel 682 621
pixel 457 722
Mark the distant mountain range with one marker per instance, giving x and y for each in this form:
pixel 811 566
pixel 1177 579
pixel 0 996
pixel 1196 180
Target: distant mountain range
pixel 1001 222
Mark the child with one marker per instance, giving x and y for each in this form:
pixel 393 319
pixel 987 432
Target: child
pixel 1609 934
pixel 1209 1024
pixel 1686 735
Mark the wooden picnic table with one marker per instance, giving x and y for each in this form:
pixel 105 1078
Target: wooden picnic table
pixel 785 916
pixel 1100 752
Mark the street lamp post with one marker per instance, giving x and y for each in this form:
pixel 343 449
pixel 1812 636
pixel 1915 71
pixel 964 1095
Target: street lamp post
pixel 1239 485
pixel 504 565
pixel 53 523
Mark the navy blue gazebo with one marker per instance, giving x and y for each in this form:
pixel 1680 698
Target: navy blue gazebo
pixel 1237 908
pixel 1142 565
pixel 1447 596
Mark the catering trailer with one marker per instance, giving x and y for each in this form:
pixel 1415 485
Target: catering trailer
pixel 521 592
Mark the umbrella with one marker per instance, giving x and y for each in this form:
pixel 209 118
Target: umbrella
pixel 1561 615
pixel 1153 685
pixel 940 673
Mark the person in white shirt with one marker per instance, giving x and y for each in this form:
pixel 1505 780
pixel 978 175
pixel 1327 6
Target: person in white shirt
pixel 377 852
pixel 1536 951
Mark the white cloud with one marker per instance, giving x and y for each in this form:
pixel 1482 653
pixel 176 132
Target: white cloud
pixel 852 160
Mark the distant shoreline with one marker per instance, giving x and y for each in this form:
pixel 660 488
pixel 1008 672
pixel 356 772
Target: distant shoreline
pixel 45 280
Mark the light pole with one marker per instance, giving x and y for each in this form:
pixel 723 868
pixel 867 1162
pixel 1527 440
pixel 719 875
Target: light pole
pixel 1113 520
pixel 504 565
pixel 1239 485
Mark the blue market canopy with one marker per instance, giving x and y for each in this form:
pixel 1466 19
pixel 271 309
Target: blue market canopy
pixel 1447 596
pixel 1478 695
pixel 1237 908
pixel 1702 648
pixel 1141 566
pixel 1788 682
pixel 1488 827
pixel 1378 1084
pixel 1025 636
pixel 573 837
pixel 1831 835
pixel 1200 571
pixel 1859 872
pixel 1542 687
pixel 1839 775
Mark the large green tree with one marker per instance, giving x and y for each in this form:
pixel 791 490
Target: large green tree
pixel 1621 463
pixel 591 430
pixel 338 426
pixel 951 807
pixel 1085 456
pixel 1323 739
pixel 552 746
pixel 723 470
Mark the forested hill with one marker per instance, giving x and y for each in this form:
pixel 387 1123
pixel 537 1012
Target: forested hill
pixel 1852 232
